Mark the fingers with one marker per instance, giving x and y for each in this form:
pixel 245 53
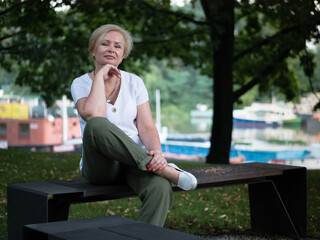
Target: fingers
pixel 109 71
pixel 113 71
pixel 158 162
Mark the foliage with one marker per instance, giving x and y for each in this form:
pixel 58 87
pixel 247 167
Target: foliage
pixel 308 83
pixel 209 212
pixel 183 87
pixel 48 46
pixel 278 30
pixel 38 39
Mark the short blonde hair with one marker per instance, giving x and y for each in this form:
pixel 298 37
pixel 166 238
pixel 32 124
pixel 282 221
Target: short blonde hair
pixel 102 30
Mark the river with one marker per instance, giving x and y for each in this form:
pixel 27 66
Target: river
pixel 306 136
pixel 308 133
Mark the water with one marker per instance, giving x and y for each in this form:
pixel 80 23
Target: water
pixel 307 136
pixel 278 135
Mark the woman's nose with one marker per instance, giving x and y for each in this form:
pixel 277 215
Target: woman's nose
pixel 110 48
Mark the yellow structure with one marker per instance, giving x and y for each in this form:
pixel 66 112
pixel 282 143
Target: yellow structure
pixel 14 111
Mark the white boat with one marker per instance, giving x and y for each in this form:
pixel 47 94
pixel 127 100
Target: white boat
pixel 201 112
pixel 256 115
pixel 266 114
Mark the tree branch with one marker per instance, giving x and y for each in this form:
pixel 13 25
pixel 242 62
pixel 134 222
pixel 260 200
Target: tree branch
pixel 263 74
pixel 268 40
pixel 9 36
pixel 263 43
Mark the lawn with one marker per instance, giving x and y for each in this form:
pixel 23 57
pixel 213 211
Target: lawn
pixel 207 213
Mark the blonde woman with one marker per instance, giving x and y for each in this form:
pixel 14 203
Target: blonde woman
pixel 120 140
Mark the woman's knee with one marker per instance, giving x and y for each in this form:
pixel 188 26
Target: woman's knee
pixel 96 124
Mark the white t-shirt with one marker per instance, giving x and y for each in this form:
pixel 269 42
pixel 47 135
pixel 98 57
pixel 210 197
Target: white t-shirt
pixel 132 93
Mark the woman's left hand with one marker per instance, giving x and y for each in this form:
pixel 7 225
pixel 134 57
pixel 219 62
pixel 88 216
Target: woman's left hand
pixel 158 162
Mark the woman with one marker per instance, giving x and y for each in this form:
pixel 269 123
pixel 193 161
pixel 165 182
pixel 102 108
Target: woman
pixel 120 140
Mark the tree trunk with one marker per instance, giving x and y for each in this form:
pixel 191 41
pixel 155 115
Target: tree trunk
pixel 222 27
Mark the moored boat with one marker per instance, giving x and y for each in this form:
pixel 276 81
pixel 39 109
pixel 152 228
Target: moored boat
pixel 27 124
pixel 268 114
pixel 257 115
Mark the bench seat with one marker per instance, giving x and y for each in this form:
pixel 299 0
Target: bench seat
pixel 277 195
pixel 101 228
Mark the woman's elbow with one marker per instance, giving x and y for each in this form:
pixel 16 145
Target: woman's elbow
pixel 89 115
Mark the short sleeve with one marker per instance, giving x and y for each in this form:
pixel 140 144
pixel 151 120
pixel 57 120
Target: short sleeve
pixel 80 88
pixel 142 92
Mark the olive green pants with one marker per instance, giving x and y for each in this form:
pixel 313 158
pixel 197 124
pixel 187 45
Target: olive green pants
pixel 111 157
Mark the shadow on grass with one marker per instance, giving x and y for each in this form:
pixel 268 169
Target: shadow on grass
pixel 219 213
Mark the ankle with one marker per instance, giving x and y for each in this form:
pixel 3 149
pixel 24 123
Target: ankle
pixel 169 173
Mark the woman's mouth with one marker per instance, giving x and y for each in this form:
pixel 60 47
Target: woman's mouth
pixel 109 57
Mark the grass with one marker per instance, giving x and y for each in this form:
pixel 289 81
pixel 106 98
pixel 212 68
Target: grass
pixel 206 212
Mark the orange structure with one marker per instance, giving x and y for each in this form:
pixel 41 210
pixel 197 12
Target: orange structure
pixel 25 122
pixel 37 132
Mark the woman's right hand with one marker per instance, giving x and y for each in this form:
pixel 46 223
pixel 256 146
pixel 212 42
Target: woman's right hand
pixel 108 71
pixel 158 162
pixel 95 104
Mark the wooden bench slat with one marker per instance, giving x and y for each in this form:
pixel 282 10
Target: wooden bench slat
pixel 65 226
pixel 147 231
pixel 47 188
pixel 232 173
pixel 206 176
pixel 92 234
pixel 111 227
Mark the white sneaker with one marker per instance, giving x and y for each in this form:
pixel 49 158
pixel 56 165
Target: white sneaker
pixel 186 180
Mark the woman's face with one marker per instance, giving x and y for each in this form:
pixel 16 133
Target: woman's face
pixel 110 49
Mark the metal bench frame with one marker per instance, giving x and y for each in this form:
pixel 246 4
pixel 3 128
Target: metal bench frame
pixel 277 195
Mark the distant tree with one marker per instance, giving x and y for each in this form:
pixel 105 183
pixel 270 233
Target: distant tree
pixel 239 44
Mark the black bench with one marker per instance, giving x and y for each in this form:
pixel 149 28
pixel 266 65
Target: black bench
pixel 277 195
pixel 101 228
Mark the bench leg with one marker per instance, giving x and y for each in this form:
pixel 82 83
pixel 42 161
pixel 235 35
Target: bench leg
pixel 58 210
pixel 30 234
pixel 24 208
pixel 279 204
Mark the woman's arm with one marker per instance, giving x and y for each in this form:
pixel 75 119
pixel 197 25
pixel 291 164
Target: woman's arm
pixel 95 104
pixel 150 137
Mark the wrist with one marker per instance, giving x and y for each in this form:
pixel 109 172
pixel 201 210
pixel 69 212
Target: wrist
pixel 158 151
